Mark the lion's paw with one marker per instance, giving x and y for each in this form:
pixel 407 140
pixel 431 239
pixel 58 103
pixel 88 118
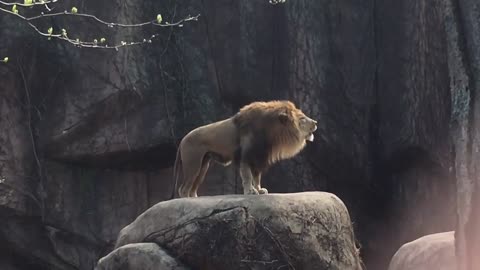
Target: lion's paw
pixel 250 191
pixel 263 191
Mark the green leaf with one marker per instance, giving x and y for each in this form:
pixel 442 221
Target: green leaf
pixel 159 18
pixel 74 10
pixel 50 30
pixel 64 32
pixel 14 9
pixel 5 60
pixel 27 2
pixel 102 40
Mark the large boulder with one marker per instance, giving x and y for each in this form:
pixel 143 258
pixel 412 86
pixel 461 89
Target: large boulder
pixel 434 251
pixel 309 230
pixel 145 256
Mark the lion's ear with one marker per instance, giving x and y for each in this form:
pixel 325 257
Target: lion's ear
pixel 283 117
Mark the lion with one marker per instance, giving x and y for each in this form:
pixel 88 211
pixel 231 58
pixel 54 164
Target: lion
pixel 256 137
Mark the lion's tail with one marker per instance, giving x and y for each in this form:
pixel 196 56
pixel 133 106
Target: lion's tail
pixel 177 167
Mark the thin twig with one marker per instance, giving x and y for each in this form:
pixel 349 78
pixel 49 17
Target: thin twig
pixel 259 262
pixel 26 193
pixel 126 136
pixel 112 24
pixel 93 44
pixel 32 139
pixel 277 243
pixel 27 5
pixel 165 104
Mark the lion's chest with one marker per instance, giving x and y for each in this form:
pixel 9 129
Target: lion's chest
pixel 286 151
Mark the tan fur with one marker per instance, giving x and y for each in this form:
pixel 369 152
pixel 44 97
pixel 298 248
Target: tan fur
pixel 275 130
pixel 287 139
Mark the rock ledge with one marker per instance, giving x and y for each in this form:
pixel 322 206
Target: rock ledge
pixel 307 230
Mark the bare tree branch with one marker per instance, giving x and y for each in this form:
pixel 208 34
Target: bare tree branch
pixel 28 5
pixel 100 44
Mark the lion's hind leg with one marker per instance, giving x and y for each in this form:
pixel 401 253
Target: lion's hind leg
pixel 192 166
pixel 201 176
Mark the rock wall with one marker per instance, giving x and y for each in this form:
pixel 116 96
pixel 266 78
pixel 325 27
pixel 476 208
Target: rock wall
pixel 465 55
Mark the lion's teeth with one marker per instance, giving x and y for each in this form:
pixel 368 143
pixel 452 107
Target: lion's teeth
pixel 310 137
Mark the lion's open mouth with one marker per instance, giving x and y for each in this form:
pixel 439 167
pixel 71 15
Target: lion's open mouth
pixel 310 137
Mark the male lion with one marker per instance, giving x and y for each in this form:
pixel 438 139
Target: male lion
pixel 259 135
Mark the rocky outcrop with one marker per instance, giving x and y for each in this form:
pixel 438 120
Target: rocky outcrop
pixel 310 230
pixel 435 251
pixel 145 256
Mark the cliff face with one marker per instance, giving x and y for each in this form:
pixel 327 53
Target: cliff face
pixel 466 82
pixel 88 137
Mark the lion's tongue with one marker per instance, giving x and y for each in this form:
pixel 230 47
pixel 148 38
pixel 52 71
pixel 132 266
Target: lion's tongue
pixel 310 137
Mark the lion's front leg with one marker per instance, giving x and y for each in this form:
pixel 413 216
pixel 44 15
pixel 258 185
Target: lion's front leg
pixel 256 180
pixel 247 180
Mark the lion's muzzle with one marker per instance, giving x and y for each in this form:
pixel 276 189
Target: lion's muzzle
pixel 310 136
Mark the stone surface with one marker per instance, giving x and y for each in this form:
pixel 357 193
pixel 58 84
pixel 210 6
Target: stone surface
pixel 310 230
pixel 465 14
pixel 145 256
pixel 411 150
pixel 435 251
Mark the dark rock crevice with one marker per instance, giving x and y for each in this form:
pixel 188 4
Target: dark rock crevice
pixel 153 158
pixel 46 247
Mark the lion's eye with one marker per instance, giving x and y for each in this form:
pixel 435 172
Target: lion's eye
pixel 303 119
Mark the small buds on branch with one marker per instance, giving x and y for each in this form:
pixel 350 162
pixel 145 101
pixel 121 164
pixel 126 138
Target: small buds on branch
pixel 275 2
pixel 28 3
pixel 50 33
